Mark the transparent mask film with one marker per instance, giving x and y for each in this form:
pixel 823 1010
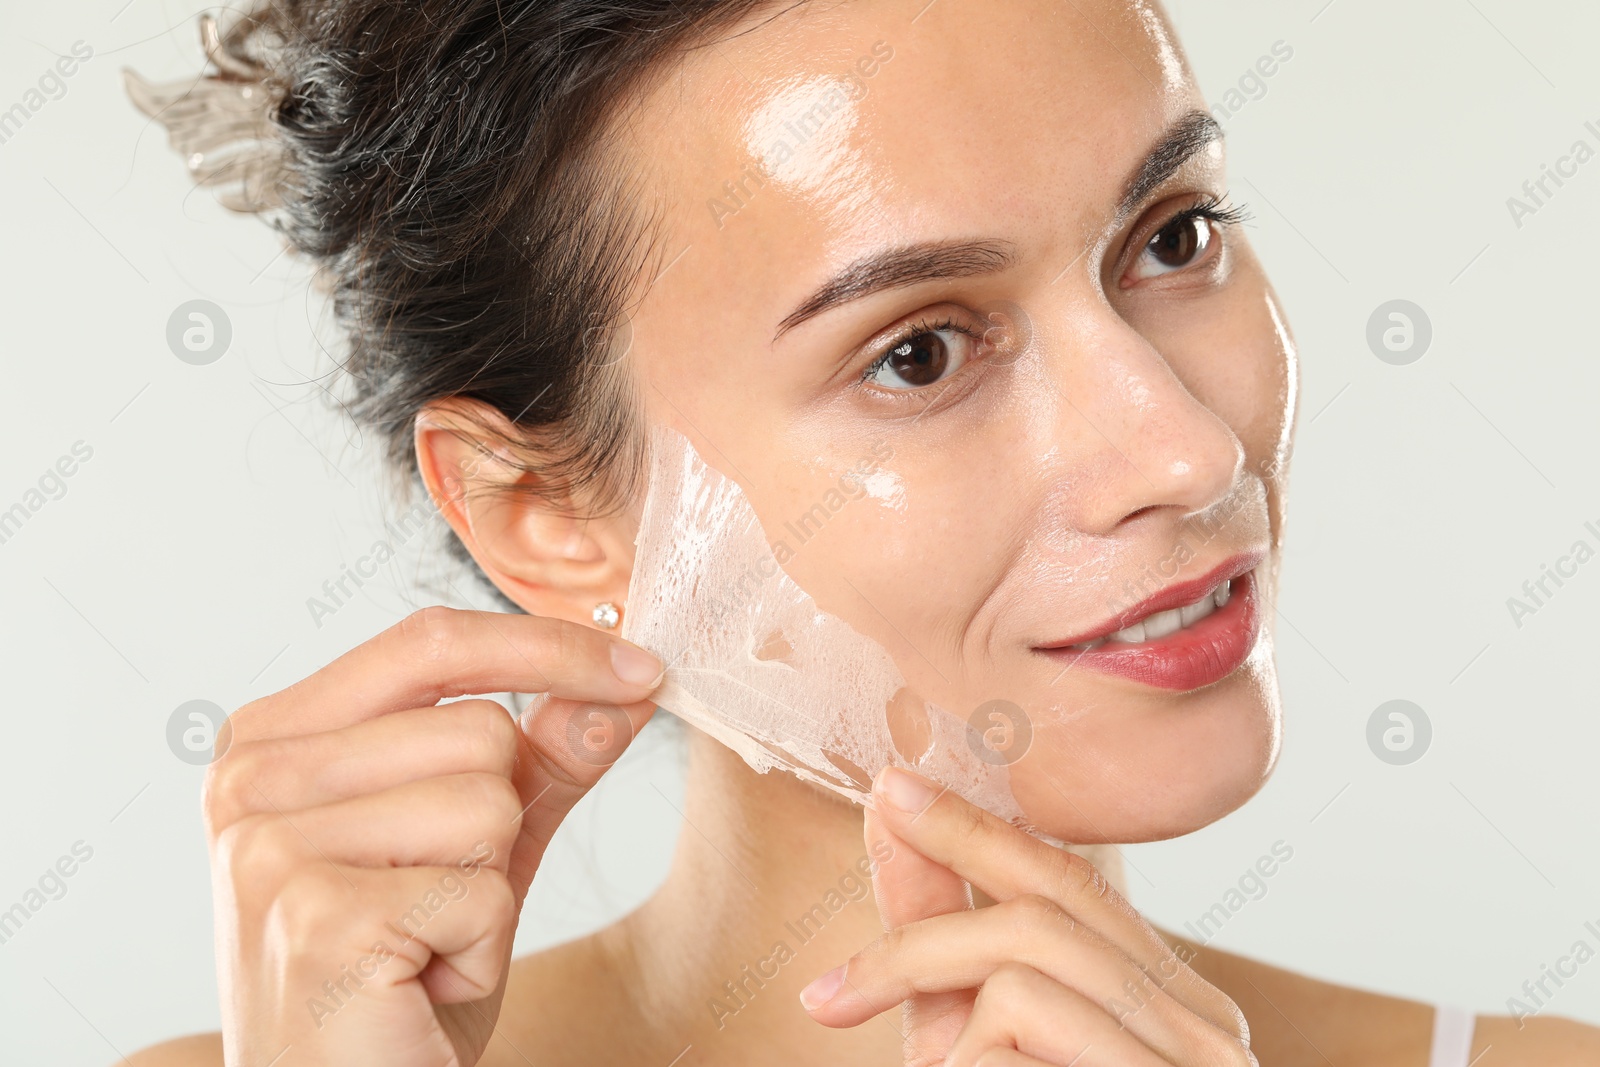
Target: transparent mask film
pixel 778 645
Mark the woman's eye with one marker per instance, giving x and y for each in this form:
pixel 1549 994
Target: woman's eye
pixel 923 359
pixel 1178 244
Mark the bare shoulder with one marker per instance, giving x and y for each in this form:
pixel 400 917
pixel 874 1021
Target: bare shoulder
pixel 1297 1020
pixel 196 1050
pixel 1503 1041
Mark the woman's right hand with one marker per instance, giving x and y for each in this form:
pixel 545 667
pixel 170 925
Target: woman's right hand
pixel 371 848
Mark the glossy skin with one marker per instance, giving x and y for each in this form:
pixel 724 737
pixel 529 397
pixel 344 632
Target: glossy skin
pixel 1010 511
pixel 1114 416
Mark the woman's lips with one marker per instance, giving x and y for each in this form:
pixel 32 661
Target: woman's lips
pixel 1198 654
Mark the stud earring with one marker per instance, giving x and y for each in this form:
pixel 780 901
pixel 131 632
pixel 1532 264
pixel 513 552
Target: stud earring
pixel 607 615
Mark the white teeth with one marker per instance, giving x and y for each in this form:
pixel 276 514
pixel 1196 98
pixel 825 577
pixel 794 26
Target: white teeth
pixel 1131 635
pixel 1166 622
pixel 1163 623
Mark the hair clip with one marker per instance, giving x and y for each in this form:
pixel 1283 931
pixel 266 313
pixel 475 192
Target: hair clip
pixel 220 123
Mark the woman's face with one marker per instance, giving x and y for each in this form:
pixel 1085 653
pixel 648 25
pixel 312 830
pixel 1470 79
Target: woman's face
pixel 941 288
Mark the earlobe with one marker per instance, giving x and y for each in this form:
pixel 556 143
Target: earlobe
pixel 538 552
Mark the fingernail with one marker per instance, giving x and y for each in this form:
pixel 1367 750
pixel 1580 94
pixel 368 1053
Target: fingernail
pixel 635 666
pixel 905 791
pixel 823 989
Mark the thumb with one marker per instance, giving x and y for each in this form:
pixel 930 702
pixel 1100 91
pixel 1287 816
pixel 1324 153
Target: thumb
pixel 910 887
pixel 564 748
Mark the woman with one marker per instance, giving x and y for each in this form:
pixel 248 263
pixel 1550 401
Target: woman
pixel 987 243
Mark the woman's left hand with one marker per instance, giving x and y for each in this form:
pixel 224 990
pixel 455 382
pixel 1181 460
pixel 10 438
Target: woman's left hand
pixel 1060 970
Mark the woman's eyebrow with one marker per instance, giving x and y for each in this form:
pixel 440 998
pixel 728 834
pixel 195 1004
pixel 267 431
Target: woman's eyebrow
pixel 1186 138
pixel 927 261
pixel 896 267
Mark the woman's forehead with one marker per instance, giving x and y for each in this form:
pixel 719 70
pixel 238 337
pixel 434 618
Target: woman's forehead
pixel 809 139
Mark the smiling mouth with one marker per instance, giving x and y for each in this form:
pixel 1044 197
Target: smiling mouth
pixel 1166 622
pixel 1189 635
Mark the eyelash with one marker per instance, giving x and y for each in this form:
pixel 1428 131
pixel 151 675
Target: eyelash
pixel 1212 208
pixel 910 333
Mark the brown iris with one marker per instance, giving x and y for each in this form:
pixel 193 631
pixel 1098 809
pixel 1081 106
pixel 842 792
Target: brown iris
pixel 920 360
pixel 1180 241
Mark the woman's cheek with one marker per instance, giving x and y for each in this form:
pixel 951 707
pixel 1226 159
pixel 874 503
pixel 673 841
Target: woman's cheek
pixel 928 547
pixel 860 533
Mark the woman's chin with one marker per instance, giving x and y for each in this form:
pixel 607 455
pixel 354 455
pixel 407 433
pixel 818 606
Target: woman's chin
pixel 1151 770
pixel 1171 813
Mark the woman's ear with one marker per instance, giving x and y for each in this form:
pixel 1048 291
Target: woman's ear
pixel 541 557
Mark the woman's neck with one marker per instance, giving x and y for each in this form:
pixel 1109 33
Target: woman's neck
pixel 769 888
pixel 767 891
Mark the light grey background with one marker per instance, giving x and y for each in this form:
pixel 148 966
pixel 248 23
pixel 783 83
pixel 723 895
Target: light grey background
pixel 1378 162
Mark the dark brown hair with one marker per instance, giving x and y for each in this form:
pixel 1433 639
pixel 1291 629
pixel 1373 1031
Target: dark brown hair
pixel 445 166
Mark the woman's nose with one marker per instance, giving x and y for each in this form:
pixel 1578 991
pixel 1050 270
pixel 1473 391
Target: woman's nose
pixel 1143 441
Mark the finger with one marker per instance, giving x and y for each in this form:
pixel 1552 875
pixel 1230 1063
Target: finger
pixel 386 926
pixel 308 770
pixel 963 951
pixel 930 1025
pixel 1005 862
pixel 909 887
pixel 1021 1009
pixel 433 822
pixel 438 653
pixel 564 748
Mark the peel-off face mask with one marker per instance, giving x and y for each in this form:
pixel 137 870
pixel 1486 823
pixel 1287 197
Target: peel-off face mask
pixel 752 660
pixel 976 615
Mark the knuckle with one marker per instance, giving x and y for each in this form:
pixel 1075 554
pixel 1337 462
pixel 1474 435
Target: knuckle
pixel 255 709
pixel 1033 915
pixel 554 644
pixel 1236 1032
pixel 1238 1025
pixel 492 794
pixel 1219 1049
pixel 489 728
pixel 568 644
pixel 1169 967
pixel 1009 981
pixel 430 633
pixel 499 898
pixel 971 824
pixel 887 947
pixel 1082 878
pixel 255 851
pixel 875 959
pixel 314 905
pixel 1210 1045
pixel 992 1057
pixel 226 793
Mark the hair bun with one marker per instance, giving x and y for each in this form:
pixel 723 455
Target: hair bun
pixel 221 123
